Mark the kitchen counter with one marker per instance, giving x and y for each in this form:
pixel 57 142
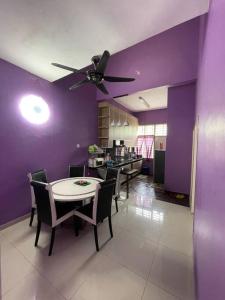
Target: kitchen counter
pixel 120 162
pixel 123 162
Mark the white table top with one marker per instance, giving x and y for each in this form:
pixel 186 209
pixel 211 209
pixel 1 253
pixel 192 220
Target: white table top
pixel 65 190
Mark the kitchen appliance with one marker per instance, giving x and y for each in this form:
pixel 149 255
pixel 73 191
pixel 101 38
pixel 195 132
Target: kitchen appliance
pixel 118 143
pixel 118 148
pixel 96 162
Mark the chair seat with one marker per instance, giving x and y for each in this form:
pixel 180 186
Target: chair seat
pixel 63 208
pixel 129 172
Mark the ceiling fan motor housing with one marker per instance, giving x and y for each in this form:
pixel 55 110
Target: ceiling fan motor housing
pixel 96 59
pixel 94 76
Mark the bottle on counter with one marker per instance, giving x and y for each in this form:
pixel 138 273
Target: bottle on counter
pixel 108 157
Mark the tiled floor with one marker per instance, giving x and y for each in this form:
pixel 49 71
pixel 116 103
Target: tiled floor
pixel 149 258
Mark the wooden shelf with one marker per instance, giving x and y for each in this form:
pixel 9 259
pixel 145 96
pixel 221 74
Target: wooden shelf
pixel 103 117
pixel 106 133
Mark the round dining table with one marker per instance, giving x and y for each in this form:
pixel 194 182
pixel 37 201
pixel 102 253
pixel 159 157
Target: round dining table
pixel 69 189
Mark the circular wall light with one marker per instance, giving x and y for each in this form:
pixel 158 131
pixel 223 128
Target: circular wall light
pixel 34 109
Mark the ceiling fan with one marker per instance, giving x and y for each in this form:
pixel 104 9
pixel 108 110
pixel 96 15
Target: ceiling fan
pixel 96 75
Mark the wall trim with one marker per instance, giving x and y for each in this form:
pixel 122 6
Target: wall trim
pixel 17 220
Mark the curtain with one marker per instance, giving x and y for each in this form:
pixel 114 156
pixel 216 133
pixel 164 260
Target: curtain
pixel 144 145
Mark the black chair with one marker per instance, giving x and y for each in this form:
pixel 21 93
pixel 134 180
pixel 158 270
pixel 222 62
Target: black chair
pixel 76 171
pixel 40 176
pixel 114 173
pixel 98 209
pixel 49 211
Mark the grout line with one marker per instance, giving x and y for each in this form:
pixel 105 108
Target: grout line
pixel 40 273
pixel 149 280
pixel 163 289
pixel 150 270
pixel 33 266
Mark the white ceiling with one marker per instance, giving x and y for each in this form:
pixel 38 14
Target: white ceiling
pixel 156 99
pixel 35 33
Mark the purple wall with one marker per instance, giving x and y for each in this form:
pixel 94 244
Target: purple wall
pixel 181 115
pixel 157 116
pixel 26 147
pixel 210 183
pixel 164 59
pixel 168 58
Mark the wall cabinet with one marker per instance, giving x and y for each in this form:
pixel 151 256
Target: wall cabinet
pixel 111 125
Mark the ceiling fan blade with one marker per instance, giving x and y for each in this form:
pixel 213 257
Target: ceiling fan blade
pixel 67 68
pixel 118 79
pixel 103 62
pixel 119 96
pixel 102 88
pixel 78 84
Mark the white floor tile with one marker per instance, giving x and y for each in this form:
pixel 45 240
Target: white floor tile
pixel 33 286
pixel 173 272
pixel 109 280
pixel 72 257
pixel 141 222
pixel 14 266
pixel 132 251
pixel 177 230
pixel 177 239
pixel 153 292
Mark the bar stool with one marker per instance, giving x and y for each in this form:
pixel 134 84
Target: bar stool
pixel 128 174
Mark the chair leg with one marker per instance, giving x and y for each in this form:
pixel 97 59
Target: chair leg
pixel 75 224
pixel 32 215
pixel 127 186
pixel 110 227
pixel 116 202
pixel 37 233
pixel 96 237
pixel 52 242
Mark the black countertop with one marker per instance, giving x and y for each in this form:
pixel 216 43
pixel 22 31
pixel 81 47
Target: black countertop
pixel 119 162
pixel 123 162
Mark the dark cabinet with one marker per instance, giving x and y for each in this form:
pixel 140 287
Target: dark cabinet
pixel 159 166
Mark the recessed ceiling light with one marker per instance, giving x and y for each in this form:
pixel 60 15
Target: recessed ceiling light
pixel 34 109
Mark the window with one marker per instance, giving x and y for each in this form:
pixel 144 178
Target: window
pixel 161 130
pixel 146 138
pixel 144 145
pixel 155 130
pixel 146 130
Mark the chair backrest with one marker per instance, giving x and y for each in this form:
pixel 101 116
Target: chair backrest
pixel 40 176
pixel 46 210
pixel 103 200
pixel 76 171
pixel 114 173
